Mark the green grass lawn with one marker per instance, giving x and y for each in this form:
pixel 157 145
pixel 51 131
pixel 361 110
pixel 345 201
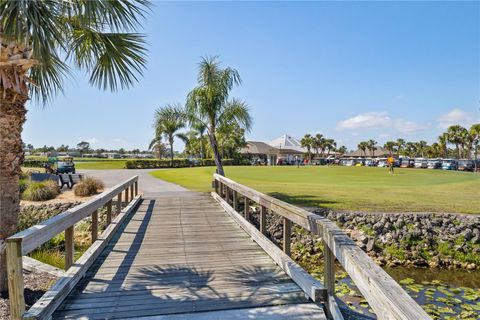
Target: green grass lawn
pixel 349 188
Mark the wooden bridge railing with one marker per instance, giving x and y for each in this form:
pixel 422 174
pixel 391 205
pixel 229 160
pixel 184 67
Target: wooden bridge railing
pixel 28 240
pixel 384 295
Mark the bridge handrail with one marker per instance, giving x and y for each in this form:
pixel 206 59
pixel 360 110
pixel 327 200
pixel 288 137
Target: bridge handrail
pixel 385 296
pixel 29 239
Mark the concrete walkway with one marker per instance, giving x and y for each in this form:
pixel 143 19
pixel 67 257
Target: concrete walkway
pixel 147 184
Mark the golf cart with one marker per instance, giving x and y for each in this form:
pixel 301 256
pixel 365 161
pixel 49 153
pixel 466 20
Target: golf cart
pixel 59 165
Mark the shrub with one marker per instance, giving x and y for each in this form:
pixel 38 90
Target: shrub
pixel 88 187
pixel 179 163
pixel 23 184
pixel 33 163
pixel 41 191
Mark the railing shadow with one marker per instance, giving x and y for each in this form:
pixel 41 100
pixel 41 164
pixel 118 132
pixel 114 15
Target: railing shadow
pixel 303 200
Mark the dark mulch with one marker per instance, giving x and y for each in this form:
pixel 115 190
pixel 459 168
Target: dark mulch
pixel 36 284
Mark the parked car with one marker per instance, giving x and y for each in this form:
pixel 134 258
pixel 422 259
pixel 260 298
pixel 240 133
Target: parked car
pixel 406 163
pixel 450 164
pixel 434 164
pixel 421 163
pixel 370 163
pixel 349 163
pixel 466 165
pixel 359 162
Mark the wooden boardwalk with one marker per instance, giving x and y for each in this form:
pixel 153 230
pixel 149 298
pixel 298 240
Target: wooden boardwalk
pixel 180 256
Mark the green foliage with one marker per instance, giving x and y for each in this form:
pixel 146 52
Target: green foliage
pixel 41 191
pixel 396 251
pixel 33 163
pixel 23 184
pixel 178 163
pixel 88 187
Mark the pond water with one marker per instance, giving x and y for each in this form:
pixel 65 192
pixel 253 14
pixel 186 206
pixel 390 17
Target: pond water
pixel 444 294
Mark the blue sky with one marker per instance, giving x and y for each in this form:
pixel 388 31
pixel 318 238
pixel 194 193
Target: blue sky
pixel 349 70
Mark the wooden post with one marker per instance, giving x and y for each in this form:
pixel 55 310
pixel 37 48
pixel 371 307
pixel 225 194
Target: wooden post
pixel 216 186
pixel 126 196
pixel 329 272
pixel 136 188
pixel 287 231
pixel 263 220
pixel 132 192
pixel 227 194
pixel 246 208
pixel 94 226
pixel 119 203
pixel 15 278
pixel 235 200
pixel 69 247
pixel 109 213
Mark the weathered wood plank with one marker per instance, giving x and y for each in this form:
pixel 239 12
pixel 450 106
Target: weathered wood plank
pixel 312 288
pixel 69 247
pixel 44 307
pixel 15 278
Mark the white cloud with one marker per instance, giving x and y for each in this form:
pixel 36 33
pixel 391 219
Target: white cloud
pixel 375 120
pixel 455 116
pixel 93 140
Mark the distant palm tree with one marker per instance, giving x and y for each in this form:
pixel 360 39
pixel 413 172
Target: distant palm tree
pixel 456 136
pixel 157 146
pixel 421 147
pixel 209 104
pixel 475 135
pixel 342 150
pixel 400 144
pixel 362 146
pixel 306 142
pixel 371 145
pixel 39 41
pixel 168 121
pixel 390 146
pixel 443 143
pixel 317 142
pixel 330 145
pixel 411 149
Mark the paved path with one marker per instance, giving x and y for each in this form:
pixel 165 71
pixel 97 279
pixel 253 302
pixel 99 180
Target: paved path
pixel 146 183
pixel 179 256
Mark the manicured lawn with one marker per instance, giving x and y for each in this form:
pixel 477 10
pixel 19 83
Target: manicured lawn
pixel 349 188
pixel 101 165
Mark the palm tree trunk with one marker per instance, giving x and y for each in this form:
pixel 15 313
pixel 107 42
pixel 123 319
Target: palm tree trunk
pixel 170 140
pixel 12 118
pixel 216 153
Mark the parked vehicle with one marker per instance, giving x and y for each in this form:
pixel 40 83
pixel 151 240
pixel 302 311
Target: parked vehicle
pixel 382 163
pixel 466 165
pixel 434 164
pixel 349 163
pixel 65 165
pixel 450 164
pixel 406 163
pixel 369 163
pixel 359 162
pixel 421 163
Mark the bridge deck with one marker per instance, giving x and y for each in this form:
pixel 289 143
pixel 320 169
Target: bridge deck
pixel 182 257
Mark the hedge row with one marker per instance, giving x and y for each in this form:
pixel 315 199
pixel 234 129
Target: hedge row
pixel 34 163
pixel 178 163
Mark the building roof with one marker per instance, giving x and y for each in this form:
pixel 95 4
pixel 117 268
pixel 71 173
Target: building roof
pixel 287 142
pixel 258 147
pixel 379 152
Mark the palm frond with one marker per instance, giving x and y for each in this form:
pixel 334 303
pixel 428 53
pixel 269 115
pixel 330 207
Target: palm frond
pixel 236 111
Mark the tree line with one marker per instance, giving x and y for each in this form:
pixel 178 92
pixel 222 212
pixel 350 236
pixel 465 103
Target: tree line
pixel 215 123
pixel 465 142
pixel 321 146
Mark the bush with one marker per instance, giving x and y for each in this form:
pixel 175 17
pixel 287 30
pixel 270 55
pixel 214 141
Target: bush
pixel 88 187
pixel 23 184
pixel 41 191
pixel 33 163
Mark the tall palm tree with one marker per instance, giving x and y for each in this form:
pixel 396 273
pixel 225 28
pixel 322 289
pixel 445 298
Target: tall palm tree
pixel 371 145
pixel 411 149
pixel 475 135
pixel 362 146
pixel 307 142
pixel 421 147
pixel 443 143
pixel 168 121
pixel 400 144
pixel 38 41
pixel 390 146
pixel 317 142
pixel 455 136
pixel 330 145
pixel 209 103
pixel 157 146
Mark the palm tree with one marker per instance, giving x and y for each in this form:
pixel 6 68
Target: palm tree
pixel 390 146
pixel 342 150
pixel 421 147
pixel 209 103
pixel 371 145
pixel 38 40
pixel 330 145
pixel 306 142
pixel 168 121
pixel 475 135
pixel 362 146
pixel 411 149
pixel 157 146
pixel 443 143
pixel 455 136
pixel 317 142
pixel 400 144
